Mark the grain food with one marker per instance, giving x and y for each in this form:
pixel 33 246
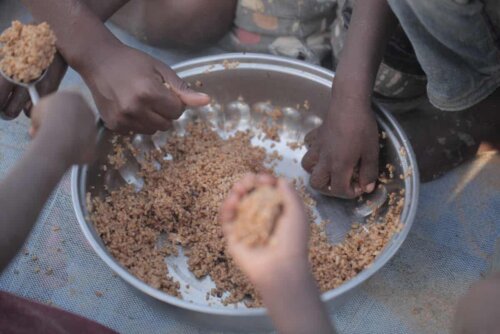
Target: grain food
pixel 26 51
pixel 256 216
pixel 178 207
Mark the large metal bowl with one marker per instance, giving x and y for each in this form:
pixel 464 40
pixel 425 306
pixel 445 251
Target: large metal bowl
pixel 256 78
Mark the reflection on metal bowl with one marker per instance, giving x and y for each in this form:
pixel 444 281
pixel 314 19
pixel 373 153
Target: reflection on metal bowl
pixel 252 83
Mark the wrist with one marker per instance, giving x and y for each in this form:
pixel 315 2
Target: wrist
pixel 88 52
pixel 285 275
pixel 351 92
pixel 53 147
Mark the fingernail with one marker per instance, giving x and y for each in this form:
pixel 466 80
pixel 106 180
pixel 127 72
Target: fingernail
pixel 202 94
pixel 369 188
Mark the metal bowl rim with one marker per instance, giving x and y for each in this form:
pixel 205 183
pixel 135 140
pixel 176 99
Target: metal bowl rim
pixel 326 296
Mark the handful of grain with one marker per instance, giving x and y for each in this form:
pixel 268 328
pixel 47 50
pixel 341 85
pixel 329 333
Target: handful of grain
pixel 26 51
pixel 257 215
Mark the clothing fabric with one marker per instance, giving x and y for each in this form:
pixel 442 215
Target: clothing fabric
pixel 315 31
pixel 19 315
pixel 456 45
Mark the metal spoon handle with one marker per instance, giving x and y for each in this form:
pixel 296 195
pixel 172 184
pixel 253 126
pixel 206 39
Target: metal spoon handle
pixel 33 94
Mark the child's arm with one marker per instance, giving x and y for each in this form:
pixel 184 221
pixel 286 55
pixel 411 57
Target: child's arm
pixel 350 123
pixel 132 90
pixel 65 135
pixel 279 270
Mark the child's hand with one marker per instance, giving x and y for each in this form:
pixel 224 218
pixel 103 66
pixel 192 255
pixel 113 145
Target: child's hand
pixel 65 121
pixel 13 99
pixel 135 92
pixel 286 253
pixel 348 138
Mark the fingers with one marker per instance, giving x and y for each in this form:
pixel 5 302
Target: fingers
pixel 292 203
pixel 311 138
pixel 187 95
pixel 334 179
pixel 228 208
pixel 341 185
pixel 16 102
pixel 310 159
pixel 240 189
pixel 368 171
pixel 320 176
pixel 148 123
pixel 166 103
pixel 6 88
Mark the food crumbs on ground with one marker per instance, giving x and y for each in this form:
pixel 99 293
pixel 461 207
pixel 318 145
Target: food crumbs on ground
pixel 56 228
pixel 198 84
pixel 256 216
pixel 26 51
pixel 383 135
pixel 230 65
pixel 49 271
pixel 37 269
pixel 34 258
pixel 99 294
pixel 181 200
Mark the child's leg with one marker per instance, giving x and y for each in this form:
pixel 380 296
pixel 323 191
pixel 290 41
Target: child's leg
pixel 172 23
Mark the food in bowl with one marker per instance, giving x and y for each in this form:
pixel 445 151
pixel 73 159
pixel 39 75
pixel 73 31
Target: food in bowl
pixel 185 181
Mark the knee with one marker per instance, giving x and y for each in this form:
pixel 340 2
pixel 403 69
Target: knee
pixel 191 24
pixel 479 310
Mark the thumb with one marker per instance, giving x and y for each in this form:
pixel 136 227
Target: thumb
pixel 188 96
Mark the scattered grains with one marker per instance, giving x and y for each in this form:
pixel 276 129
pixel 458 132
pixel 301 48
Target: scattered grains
pixel 230 65
pixel 180 203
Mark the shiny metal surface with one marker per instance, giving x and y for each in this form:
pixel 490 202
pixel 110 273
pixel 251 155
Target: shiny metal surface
pixel 253 82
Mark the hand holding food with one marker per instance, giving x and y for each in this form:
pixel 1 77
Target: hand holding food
pixel 266 227
pixel 343 152
pixel 135 92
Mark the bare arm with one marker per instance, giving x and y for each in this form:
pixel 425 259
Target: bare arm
pixel 23 193
pixel 371 27
pixel 348 138
pixel 132 90
pixel 77 24
pixel 66 137
pixel 293 301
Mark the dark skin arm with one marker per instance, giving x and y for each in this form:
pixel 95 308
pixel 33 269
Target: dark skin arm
pixel 348 137
pixel 66 137
pixel 13 98
pixel 133 91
